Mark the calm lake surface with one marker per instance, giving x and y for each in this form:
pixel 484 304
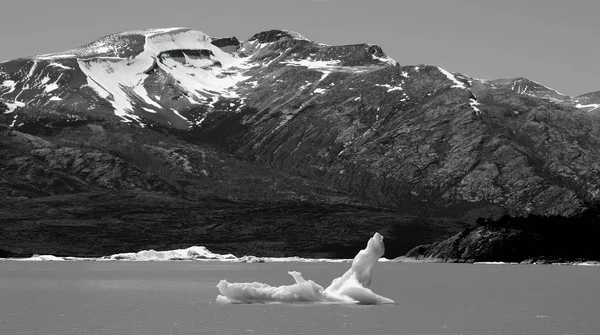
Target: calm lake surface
pixel 147 298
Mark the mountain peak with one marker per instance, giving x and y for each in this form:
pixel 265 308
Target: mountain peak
pixel 348 118
pixel 130 43
pixel 275 35
pixel 529 87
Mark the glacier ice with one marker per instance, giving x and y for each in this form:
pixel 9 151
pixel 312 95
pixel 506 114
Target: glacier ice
pixel 350 288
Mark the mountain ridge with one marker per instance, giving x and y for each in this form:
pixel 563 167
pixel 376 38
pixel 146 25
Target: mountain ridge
pixel 280 118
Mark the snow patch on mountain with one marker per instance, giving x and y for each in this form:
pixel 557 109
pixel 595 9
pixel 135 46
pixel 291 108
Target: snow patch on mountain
pixel 296 35
pixel 386 59
pixel 546 87
pixel 314 64
pixel 588 107
pixel 457 83
pixel 390 87
pixel 51 87
pixel 12 106
pixel 474 103
pixel 120 79
pixel 10 84
pixel 61 66
pixel 181 116
pixel 140 90
pixel 326 67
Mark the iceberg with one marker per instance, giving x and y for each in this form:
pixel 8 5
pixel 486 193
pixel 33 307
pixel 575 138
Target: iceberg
pixel 350 288
pixel 191 253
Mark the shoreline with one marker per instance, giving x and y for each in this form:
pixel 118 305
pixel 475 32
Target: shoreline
pixel 202 254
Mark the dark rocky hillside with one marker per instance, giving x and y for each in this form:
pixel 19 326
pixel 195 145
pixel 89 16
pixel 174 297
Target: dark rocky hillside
pixel 124 190
pixel 530 239
pixel 167 138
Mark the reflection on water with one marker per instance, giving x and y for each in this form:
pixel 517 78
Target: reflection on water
pixel 178 298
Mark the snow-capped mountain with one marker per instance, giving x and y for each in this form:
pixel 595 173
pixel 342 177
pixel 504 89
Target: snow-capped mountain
pixel 527 87
pixel 160 75
pixel 590 102
pixel 163 75
pixel 178 117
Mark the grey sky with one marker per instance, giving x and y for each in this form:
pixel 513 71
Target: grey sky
pixel 554 42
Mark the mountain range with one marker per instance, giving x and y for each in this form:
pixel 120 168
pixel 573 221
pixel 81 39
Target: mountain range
pixel 277 145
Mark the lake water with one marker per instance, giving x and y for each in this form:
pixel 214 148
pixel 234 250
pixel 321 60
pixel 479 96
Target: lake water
pixel 146 298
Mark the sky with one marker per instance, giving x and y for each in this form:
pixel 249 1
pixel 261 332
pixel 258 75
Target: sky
pixel 554 42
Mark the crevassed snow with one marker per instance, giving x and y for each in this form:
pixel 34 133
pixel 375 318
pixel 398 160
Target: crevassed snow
pixel 450 76
pixel 350 288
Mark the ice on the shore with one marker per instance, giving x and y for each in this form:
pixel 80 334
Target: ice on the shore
pixel 350 288
pixel 177 254
pixel 196 253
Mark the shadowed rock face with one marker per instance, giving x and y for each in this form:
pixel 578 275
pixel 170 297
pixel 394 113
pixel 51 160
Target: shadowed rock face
pixel 280 119
pixel 271 36
pixel 523 239
pixel 227 44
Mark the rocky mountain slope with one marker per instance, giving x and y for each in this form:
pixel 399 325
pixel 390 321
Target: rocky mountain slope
pixel 589 102
pixel 277 120
pixel 531 239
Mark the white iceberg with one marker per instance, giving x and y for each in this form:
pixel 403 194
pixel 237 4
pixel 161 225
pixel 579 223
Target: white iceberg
pixel 191 253
pixel 350 288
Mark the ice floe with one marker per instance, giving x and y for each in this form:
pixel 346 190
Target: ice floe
pixel 350 288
